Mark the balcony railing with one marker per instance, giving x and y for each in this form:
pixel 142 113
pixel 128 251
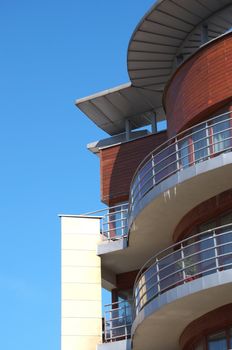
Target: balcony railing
pixel 117 321
pixel 197 144
pixel 194 257
pixel 114 222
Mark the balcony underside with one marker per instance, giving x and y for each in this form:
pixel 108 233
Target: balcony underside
pixel 160 323
pixel 159 211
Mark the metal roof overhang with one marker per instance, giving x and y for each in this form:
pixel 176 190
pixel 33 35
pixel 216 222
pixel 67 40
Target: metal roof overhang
pixel 109 109
pixel 171 28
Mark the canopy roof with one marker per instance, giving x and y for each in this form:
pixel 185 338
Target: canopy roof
pixel 170 29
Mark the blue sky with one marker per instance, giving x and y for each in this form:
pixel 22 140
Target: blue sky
pixel 52 52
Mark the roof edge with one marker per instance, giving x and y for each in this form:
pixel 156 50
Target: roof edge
pixel 103 93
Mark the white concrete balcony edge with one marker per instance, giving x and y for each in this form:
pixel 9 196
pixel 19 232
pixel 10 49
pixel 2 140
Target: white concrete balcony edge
pixel 162 321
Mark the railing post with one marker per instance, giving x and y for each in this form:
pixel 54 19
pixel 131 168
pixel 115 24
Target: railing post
pixel 177 154
pixel 208 140
pixel 215 250
pixel 125 323
pixel 158 276
pixel 153 169
pixel 182 262
pixel 106 329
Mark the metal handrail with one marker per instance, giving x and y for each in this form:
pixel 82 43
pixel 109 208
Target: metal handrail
pixel 118 321
pixel 113 221
pixel 173 155
pixel 163 162
pixel 185 261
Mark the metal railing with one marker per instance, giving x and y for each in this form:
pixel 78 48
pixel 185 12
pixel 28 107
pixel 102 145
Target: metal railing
pixel 194 257
pixel 194 145
pixel 118 320
pixel 114 221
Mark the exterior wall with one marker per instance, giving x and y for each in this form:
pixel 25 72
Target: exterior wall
pixel 203 212
pixel 211 322
pixel 202 85
pixel 81 284
pixel 119 163
pixel 126 280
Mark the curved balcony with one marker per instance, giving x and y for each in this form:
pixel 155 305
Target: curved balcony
pixel 172 288
pixel 194 257
pixel 190 147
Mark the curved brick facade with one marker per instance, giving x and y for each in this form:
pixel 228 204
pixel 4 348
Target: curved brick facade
pixel 211 322
pixel 201 86
pixel 203 212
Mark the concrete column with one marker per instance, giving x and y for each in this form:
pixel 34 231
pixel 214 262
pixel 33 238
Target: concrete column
pixel 81 323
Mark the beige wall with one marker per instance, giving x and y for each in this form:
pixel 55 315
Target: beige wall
pixel 81 284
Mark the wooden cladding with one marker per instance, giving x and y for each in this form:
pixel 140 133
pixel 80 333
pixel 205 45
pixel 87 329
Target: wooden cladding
pixel 202 85
pixel 119 163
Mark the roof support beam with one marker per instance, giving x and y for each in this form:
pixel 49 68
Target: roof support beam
pixel 128 129
pixel 204 34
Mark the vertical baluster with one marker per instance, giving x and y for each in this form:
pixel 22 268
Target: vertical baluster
pixel 111 325
pixel 177 155
pixel 215 250
pixel 122 221
pixel 158 277
pixel 108 224
pixel 153 169
pixel 125 323
pixel 182 262
pixel 208 140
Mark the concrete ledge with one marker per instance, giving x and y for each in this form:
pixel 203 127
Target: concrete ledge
pixel 178 307
pixel 106 247
pixel 117 345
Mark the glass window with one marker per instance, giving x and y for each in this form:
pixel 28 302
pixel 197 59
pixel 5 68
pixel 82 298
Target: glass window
pixel 199 139
pixel 217 341
pixel 221 133
pixel 230 338
pixel 199 346
pixel 184 152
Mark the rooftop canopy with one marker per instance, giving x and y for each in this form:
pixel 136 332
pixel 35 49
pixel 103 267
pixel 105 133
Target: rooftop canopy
pixel 168 34
pixel 109 109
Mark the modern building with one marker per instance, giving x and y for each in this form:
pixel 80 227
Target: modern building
pixel 164 245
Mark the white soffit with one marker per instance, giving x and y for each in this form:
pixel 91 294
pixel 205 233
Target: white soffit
pixel 109 109
pixel 169 29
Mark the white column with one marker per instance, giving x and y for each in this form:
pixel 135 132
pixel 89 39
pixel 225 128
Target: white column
pixel 81 283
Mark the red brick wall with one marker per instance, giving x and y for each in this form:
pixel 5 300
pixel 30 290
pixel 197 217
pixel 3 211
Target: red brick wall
pixel 211 208
pixel 202 85
pixel 119 163
pixel 209 323
pixel 125 281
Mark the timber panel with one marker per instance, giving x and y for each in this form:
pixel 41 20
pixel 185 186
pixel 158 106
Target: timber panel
pixel 119 163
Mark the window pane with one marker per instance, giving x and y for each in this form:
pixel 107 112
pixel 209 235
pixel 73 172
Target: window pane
pixel 217 341
pixel 199 139
pixel 199 346
pixel 221 133
pixel 184 152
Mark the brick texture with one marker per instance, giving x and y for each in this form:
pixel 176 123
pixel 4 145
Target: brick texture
pixel 201 86
pixel 119 163
pixel 209 323
pixel 205 211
